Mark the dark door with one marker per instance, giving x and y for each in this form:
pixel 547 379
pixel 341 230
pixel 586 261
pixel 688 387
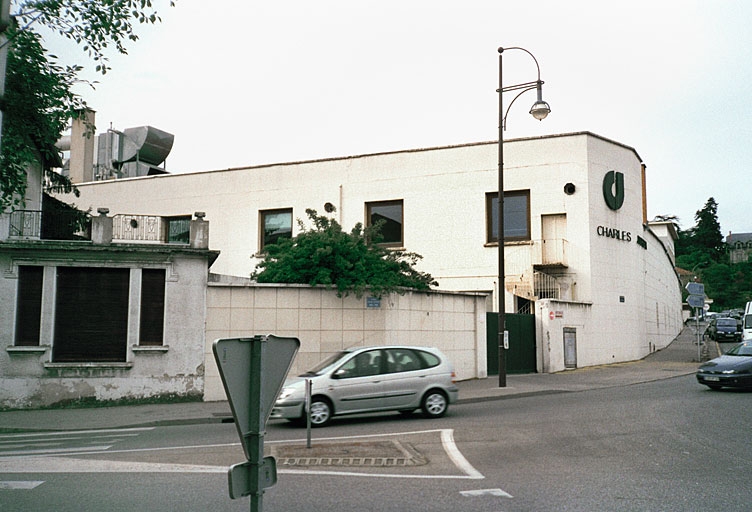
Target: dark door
pixel 521 356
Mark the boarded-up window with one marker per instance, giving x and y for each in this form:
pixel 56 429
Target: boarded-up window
pixel 29 305
pixel 91 314
pixel 151 331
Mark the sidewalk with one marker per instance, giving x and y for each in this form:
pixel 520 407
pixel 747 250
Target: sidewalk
pixel 679 358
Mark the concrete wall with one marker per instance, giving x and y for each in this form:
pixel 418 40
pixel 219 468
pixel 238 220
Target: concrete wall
pixel 453 322
pixel 30 378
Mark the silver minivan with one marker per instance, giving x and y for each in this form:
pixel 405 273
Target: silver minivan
pixel 371 379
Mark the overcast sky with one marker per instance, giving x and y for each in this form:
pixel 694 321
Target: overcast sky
pixel 241 82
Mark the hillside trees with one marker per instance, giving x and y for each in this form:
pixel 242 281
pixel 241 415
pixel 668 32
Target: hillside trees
pixel 39 98
pixel 701 249
pixel 349 262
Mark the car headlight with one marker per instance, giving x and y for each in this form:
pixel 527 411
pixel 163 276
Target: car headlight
pixel 286 393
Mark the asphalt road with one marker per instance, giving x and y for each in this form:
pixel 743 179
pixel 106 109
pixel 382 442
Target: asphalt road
pixel 667 445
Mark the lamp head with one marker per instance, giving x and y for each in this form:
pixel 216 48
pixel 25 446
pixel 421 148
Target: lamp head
pixel 540 110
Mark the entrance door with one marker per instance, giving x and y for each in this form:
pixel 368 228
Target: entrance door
pixel 570 347
pixel 553 231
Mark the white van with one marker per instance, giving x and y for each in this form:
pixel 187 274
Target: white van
pixel 747 323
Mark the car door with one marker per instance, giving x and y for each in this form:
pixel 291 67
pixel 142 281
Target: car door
pixel 356 385
pixel 404 379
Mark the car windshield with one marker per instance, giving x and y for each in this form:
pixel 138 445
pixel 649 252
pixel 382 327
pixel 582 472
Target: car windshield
pixel 743 349
pixel 727 322
pixel 316 370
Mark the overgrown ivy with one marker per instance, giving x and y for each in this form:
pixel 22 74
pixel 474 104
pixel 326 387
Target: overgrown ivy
pixel 351 262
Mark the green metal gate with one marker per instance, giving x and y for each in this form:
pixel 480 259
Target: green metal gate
pixel 521 356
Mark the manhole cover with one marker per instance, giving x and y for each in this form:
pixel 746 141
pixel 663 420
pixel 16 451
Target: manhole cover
pixel 368 453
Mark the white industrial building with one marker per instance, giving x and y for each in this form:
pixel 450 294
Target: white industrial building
pixel 580 253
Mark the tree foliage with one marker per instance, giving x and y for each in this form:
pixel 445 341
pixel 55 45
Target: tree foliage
pixel 701 249
pixel 350 262
pixel 39 98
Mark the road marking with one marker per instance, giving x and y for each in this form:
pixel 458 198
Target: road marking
pixel 54 451
pixel 38 465
pixel 58 463
pixel 19 485
pixel 447 441
pixel 75 432
pixel 486 492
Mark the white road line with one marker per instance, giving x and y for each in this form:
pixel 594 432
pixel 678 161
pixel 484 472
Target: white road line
pixel 76 438
pixel 54 451
pixel 447 439
pixel 65 433
pixel 90 451
pixel 13 485
pixel 67 465
pixel 487 492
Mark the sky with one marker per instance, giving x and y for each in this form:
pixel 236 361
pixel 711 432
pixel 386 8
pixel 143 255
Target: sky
pixel 246 82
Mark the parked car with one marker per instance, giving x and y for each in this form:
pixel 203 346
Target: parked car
pixel 733 369
pixel 724 329
pixel 371 379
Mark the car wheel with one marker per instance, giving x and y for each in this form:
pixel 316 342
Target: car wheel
pixel 434 404
pixel 321 412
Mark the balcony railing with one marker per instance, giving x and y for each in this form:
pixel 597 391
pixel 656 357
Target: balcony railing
pixel 36 225
pixel 63 225
pixel 550 252
pixel 26 224
pixel 151 228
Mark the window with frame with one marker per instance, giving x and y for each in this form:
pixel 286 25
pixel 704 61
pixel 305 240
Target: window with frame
pixel 390 214
pixel 516 216
pixel 151 329
pixel 91 315
pixel 179 229
pixel 274 226
pixel 29 305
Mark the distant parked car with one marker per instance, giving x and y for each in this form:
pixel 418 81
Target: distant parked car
pixel 371 379
pixel 733 369
pixel 724 329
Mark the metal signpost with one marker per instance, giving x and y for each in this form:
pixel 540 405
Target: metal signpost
pixel 696 300
pixel 253 371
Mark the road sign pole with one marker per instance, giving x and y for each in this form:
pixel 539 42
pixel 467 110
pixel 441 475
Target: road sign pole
pixel 253 372
pixel 308 386
pixel 697 319
pixel 255 436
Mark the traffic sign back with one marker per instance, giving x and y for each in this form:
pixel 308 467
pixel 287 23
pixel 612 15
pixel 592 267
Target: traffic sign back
pixel 253 371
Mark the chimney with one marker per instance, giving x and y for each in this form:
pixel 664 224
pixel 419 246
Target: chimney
pixel 81 164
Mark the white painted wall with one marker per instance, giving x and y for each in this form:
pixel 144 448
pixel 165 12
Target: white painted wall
pixel 632 292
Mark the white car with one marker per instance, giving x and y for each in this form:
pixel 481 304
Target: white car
pixel 371 379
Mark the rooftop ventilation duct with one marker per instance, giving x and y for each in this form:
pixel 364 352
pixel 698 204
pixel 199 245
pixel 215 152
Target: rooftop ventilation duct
pixel 145 144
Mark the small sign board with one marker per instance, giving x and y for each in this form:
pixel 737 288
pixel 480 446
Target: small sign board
pixel 695 289
pixel 246 478
pixel 696 301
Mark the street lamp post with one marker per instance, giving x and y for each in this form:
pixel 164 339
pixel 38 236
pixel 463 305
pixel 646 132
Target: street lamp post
pixel 539 110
